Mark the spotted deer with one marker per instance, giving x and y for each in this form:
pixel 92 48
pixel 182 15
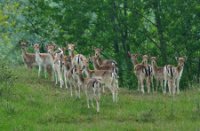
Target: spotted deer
pixel 109 77
pixel 77 60
pixel 68 73
pixel 141 72
pixel 158 73
pixel 103 62
pixel 172 76
pixel 149 74
pixel 91 86
pixel 28 58
pixel 43 60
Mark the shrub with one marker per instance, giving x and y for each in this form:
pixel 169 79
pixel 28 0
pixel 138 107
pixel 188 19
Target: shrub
pixel 7 77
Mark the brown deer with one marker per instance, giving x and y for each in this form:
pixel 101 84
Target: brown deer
pixel 68 73
pixel 158 73
pixel 100 61
pixel 91 86
pixel 28 58
pixel 172 76
pixel 109 78
pixel 142 73
pixel 179 68
pixel 77 60
pixel 43 60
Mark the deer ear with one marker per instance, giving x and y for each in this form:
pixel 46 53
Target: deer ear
pixel 129 54
pixel 46 46
pixel 185 57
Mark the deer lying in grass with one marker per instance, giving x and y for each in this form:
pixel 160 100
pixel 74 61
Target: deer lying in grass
pixel 141 72
pixel 91 86
pixel 68 73
pixel 28 58
pixel 157 73
pixel 172 76
pixel 109 77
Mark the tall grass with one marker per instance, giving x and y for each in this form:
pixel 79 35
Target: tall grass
pixel 36 104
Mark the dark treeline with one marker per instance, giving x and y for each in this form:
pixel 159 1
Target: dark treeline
pixel 162 28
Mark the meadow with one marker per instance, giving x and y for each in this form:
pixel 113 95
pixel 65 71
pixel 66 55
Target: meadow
pixel 37 104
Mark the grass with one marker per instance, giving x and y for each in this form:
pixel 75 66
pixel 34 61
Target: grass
pixel 36 104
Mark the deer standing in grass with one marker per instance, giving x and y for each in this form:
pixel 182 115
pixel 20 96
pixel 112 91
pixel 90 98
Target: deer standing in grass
pixel 91 86
pixel 28 58
pixel 109 76
pixel 140 72
pixel 103 62
pixel 57 58
pixel 43 60
pixel 77 61
pixel 172 76
pixel 68 73
pixel 158 73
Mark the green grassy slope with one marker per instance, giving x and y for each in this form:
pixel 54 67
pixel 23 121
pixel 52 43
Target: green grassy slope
pixel 36 104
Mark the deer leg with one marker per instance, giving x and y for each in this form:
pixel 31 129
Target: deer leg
pixel 45 71
pixel 139 84
pixel 170 86
pixel 165 85
pixel 97 103
pixel 65 79
pixel 157 84
pixel 177 85
pixel 60 78
pixel 148 84
pixel 39 70
pixel 142 85
pixel 152 83
pixel 173 87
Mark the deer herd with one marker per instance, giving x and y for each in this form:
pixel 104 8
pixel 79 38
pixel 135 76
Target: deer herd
pixel 73 72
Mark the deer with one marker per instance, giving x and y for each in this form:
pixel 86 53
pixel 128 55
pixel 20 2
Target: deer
pixel 28 58
pixel 57 58
pixel 141 72
pixel 91 86
pixel 172 76
pixel 148 71
pixel 109 77
pixel 68 73
pixel 77 60
pixel 179 68
pixel 100 61
pixel 157 73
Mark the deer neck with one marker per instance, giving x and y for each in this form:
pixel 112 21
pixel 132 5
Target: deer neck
pixel 180 70
pixel 135 62
pixel 95 64
pixel 155 67
pixel 99 60
pixel 71 54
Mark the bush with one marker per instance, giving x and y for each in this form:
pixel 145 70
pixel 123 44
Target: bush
pixel 7 77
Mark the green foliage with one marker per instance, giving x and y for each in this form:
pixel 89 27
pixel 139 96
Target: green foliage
pixel 7 79
pixel 158 28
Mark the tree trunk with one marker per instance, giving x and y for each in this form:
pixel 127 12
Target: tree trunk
pixel 163 45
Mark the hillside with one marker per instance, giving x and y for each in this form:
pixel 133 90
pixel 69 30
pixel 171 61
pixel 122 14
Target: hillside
pixel 36 104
